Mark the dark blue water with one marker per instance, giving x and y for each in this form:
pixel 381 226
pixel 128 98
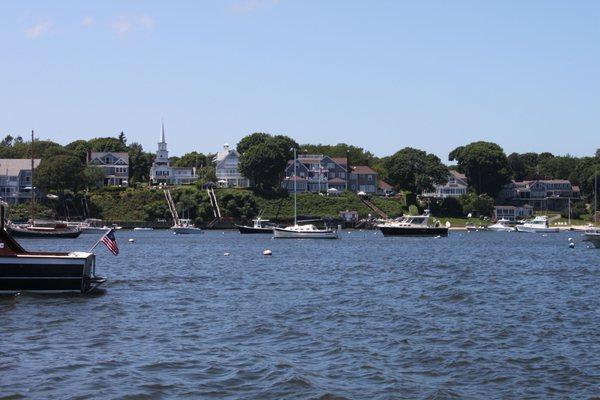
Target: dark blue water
pixel 474 315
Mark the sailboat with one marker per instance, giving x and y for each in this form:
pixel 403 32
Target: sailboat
pixel 41 229
pixel 593 235
pixel 181 226
pixel 306 231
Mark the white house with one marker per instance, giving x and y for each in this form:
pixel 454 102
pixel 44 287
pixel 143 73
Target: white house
pixel 456 186
pixel 513 213
pixel 162 171
pixel 227 161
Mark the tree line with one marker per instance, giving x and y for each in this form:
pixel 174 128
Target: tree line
pixel 263 159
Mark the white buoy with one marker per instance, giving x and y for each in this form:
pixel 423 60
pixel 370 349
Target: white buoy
pixel 267 252
pixel 437 237
pixel 572 245
pixel 570 239
pixel 225 254
pixel 131 240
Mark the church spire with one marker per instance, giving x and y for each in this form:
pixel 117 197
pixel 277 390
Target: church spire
pixel 162 133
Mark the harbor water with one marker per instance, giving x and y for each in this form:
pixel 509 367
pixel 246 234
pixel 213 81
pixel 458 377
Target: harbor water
pixel 474 315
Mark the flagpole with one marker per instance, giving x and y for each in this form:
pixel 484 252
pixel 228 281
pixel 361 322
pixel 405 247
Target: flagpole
pixel 99 240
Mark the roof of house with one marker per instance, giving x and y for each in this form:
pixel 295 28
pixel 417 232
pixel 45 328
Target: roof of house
pixel 340 160
pixel 363 169
pixel 225 152
pixel 118 154
pixel 575 188
pixel 458 175
pixel 13 166
pixel 384 185
pixel 336 180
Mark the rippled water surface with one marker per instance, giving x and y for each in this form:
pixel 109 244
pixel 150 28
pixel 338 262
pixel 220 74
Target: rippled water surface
pixel 474 315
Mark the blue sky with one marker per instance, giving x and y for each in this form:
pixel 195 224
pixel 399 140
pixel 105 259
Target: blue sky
pixel 379 74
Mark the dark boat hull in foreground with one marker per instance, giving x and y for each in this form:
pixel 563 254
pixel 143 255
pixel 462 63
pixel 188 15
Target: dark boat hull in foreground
pixel 67 272
pixel 252 230
pixel 46 272
pixel 413 231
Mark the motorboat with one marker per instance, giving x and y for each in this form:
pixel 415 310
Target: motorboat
pixel 539 224
pixel 501 225
pixel 412 225
pixel 22 270
pixel 259 226
pixel 142 228
pixel 307 231
pixel 185 227
pixel 43 229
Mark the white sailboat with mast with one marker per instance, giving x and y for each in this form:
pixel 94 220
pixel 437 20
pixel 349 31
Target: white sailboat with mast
pixel 305 231
pixel 180 226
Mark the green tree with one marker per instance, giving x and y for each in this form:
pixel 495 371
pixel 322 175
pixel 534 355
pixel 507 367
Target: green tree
pixel 557 167
pixel 193 159
pixel 94 176
pixel 484 164
pixel 523 166
pixel 139 163
pixel 263 163
pixel 60 173
pixel 356 155
pixel 80 149
pixel 478 205
pixel 107 144
pixel 251 140
pixel 415 170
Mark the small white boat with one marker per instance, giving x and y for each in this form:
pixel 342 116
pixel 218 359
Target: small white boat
pixel 308 231
pixel 501 226
pixel 185 227
pixel 539 224
pixel 142 228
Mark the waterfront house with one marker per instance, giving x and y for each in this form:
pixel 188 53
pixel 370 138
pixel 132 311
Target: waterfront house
pixel 226 170
pixel 363 179
pixel 553 195
pixel 162 172
pixel 115 166
pixel 318 172
pixel 456 186
pixel 15 178
pixel 513 213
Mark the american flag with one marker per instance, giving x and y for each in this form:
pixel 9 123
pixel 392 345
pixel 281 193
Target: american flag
pixel 111 242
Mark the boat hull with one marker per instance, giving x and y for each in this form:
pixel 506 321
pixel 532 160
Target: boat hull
pixel 413 231
pixel 527 229
pixel 186 230
pixel 48 274
pixel 26 233
pixel 281 233
pixel 90 230
pixel 252 230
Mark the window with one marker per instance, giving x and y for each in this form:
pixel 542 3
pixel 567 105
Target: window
pixel 370 177
pixel 342 175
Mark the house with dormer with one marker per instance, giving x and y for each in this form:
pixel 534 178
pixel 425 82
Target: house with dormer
pixel 114 164
pixel 456 185
pixel 226 169
pixel 316 173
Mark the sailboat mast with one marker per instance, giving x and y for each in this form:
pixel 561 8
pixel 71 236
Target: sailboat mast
pixel 295 191
pixel 32 207
pixel 595 194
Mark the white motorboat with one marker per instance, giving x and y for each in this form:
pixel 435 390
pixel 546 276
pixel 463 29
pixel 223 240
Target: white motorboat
pixel 185 227
pixel 307 231
pixel 501 226
pixel 92 225
pixel 142 228
pixel 539 224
